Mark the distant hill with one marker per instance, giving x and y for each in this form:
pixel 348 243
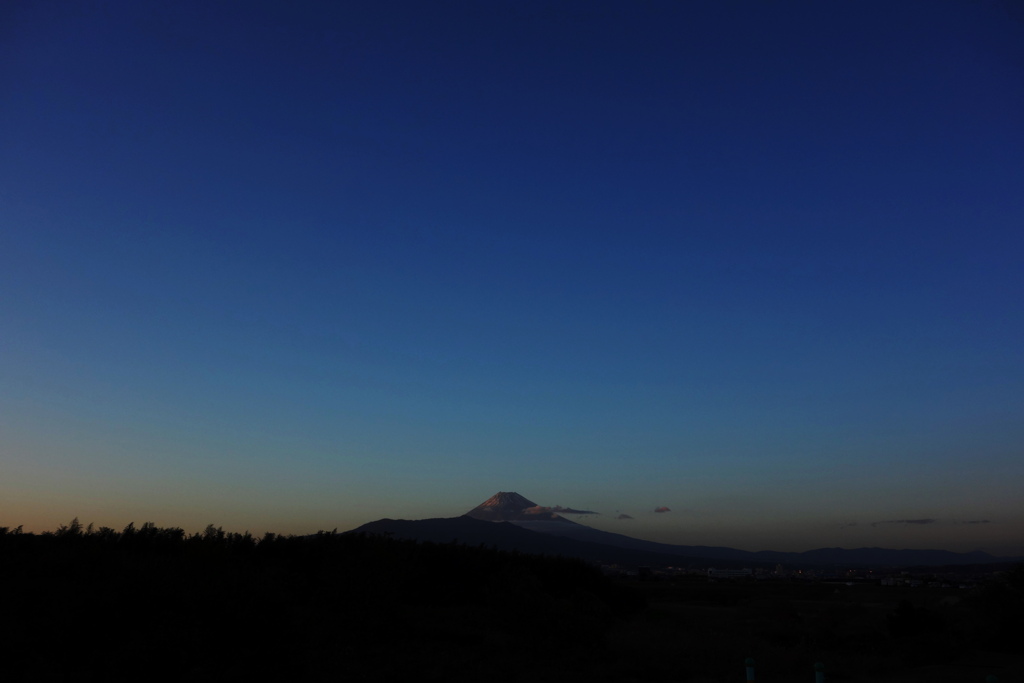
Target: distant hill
pixel 509 521
pixel 875 557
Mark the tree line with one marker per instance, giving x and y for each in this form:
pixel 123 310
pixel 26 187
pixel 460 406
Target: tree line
pixel 96 604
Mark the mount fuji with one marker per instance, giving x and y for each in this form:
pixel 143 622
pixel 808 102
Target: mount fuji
pixel 509 521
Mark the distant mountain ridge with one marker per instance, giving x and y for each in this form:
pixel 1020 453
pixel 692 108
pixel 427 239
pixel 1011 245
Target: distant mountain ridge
pixel 510 521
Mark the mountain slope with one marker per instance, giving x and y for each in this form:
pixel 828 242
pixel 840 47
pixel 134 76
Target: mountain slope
pixel 510 537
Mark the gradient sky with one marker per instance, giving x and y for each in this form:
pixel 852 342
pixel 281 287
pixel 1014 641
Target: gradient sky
pixel 295 266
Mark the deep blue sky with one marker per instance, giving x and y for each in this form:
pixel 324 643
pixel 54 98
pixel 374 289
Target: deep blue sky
pixel 291 266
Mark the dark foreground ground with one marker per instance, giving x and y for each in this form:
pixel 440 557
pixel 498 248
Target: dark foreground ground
pixel 860 633
pixel 160 605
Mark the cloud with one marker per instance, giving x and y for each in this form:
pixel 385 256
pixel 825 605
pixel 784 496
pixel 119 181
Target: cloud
pixel 624 516
pixel 662 509
pixel 847 525
pixel 978 521
pixel 905 521
pixel 569 511
pixel 557 509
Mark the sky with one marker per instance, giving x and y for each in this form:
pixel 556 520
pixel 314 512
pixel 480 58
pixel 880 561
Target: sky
pixel 296 266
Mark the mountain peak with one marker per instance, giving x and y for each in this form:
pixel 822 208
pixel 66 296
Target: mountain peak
pixel 509 506
pixel 508 500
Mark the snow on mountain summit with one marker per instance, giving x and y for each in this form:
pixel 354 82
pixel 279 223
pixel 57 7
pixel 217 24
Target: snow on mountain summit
pixel 509 506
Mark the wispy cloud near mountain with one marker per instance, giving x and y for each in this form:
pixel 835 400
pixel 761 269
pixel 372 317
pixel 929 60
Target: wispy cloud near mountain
pixel 558 510
pixel 906 521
